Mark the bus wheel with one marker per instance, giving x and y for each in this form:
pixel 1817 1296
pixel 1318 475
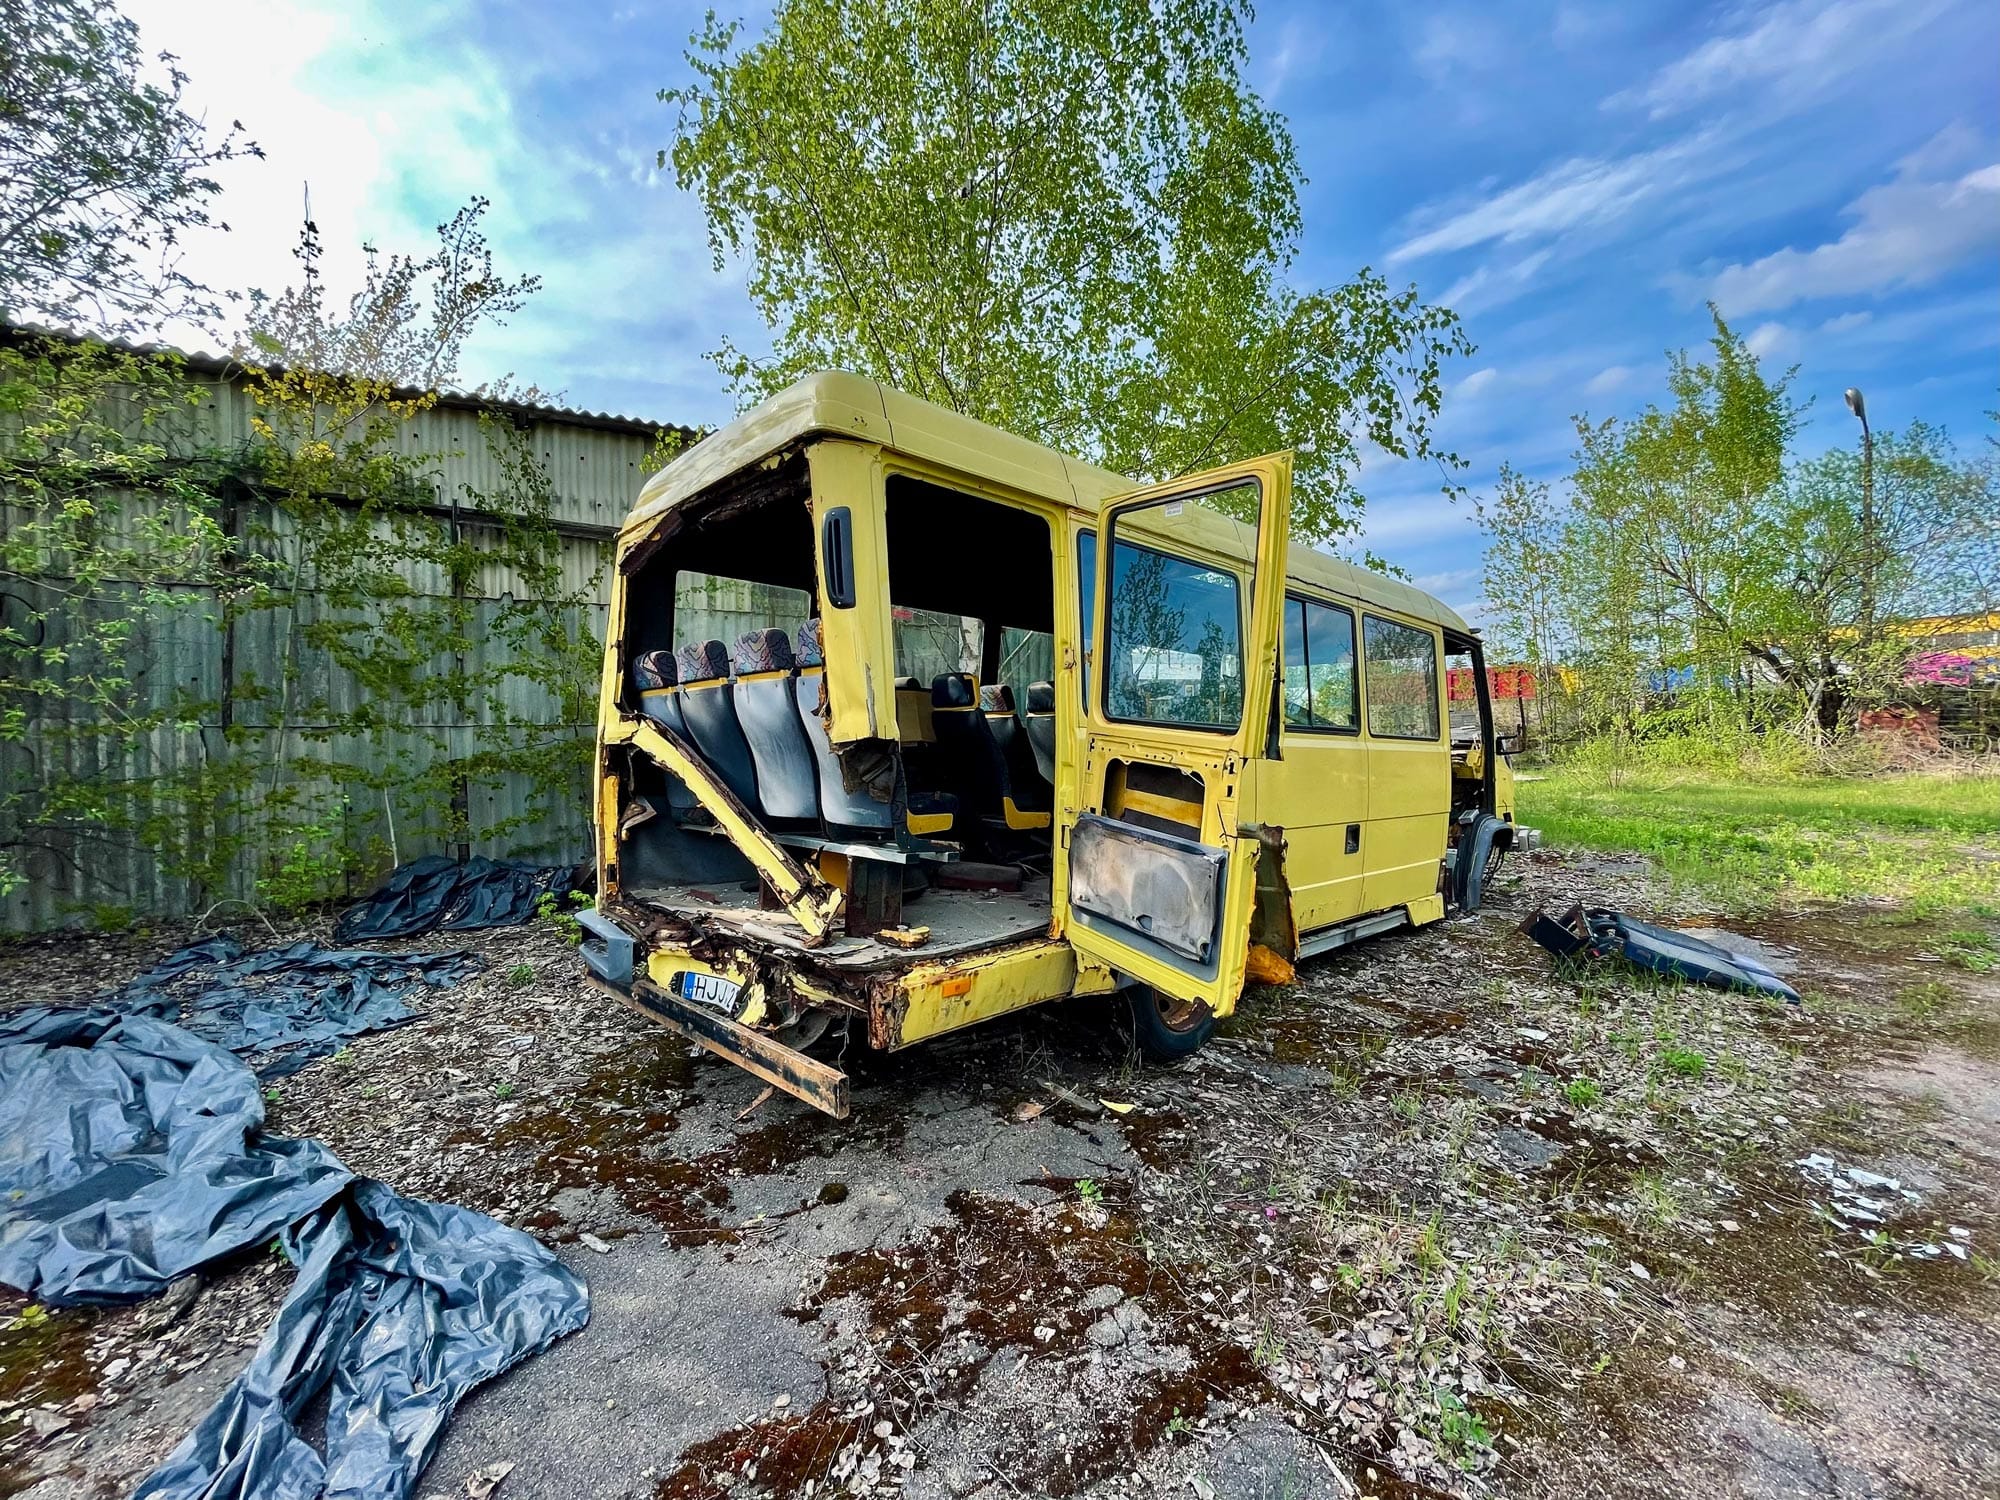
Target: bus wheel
pixel 1167 1029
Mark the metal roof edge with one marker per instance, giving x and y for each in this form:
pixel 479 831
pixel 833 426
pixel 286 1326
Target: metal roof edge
pixel 228 367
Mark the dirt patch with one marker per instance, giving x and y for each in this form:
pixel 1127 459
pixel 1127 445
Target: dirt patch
pixel 1443 1218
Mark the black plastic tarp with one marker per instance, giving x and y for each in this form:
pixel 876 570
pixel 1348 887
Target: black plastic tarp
pixel 282 1007
pixel 440 893
pixel 132 1152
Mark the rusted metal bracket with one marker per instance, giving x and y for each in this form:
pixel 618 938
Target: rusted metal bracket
pixel 807 1078
pixel 813 903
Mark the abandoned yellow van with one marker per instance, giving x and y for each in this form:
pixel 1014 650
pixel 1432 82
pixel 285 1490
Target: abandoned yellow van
pixel 908 722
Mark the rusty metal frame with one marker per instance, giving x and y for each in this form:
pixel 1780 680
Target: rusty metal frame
pixel 813 903
pixel 807 1078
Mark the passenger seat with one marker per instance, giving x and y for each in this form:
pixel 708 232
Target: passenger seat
pixel 656 677
pixel 844 811
pixel 1024 795
pixel 972 763
pixel 767 709
pixel 1039 724
pixel 708 704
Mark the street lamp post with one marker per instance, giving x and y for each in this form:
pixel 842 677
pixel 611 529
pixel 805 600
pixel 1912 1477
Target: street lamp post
pixel 1859 407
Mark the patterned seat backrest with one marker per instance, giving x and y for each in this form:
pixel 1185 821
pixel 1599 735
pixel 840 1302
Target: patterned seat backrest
pixel 652 670
pixel 811 652
pixel 763 651
pixel 703 661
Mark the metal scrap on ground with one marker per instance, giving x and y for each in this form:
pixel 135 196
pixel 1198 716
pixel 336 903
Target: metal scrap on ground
pixel 134 1153
pixel 1599 934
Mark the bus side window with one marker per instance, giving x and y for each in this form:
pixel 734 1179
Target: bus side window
pixel 1402 680
pixel 1319 666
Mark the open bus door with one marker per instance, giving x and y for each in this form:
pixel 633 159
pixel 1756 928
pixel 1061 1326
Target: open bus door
pixel 1190 582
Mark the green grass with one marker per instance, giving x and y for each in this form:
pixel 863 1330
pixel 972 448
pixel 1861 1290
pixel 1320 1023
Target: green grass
pixel 1931 843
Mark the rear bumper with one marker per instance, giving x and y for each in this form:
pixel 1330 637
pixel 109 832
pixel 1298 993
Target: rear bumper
pixel 608 949
pixel 807 1078
pixel 634 955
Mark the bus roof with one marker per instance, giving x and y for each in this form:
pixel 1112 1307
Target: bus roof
pixel 835 403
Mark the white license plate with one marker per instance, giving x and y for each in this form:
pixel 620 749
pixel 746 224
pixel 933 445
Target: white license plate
pixel 711 990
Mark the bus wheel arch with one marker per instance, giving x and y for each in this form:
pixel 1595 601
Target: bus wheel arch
pixel 1166 1029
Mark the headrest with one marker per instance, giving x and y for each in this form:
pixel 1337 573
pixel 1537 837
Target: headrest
pixel 654 669
pixel 996 698
pixel 704 661
pixel 1041 697
pixel 811 653
pixel 954 690
pixel 763 651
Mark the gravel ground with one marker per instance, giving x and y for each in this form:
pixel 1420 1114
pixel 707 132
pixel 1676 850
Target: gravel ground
pixel 1438 1220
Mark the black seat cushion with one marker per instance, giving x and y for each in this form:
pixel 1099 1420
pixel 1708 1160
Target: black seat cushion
pixel 654 673
pixel 844 810
pixel 932 815
pixel 708 705
pixel 1024 779
pixel 1039 726
pixel 973 765
pixel 767 709
pixel 953 690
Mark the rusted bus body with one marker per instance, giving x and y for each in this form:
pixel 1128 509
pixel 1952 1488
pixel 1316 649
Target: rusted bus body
pixel 799 833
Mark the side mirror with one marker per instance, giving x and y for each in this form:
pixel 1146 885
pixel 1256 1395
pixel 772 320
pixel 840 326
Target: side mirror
pixel 1507 744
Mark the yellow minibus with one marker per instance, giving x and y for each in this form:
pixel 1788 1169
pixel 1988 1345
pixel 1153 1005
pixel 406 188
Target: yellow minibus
pixel 908 722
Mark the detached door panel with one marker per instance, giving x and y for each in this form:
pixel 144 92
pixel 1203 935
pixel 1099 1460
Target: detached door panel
pixel 1158 878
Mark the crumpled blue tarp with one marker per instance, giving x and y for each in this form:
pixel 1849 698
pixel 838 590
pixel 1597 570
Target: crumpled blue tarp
pixel 132 1152
pixel 283 1007
pixel 438 892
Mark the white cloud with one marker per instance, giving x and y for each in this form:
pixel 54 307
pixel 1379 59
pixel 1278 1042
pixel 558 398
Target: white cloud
pixel 1453 43
pixel 1907 232
pixel 1846 322
pixel 1476 382
pixel 1580 193
pixel 1607 380
pixel 395 115
pixel 1495 282
pixel 1770 340
pixel 1299 48
pixel 1451 581
pixel 388 140
pixel 1790 51
pixel 1394 522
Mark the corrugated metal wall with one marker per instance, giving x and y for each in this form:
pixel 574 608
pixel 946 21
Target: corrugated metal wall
pixel 594 472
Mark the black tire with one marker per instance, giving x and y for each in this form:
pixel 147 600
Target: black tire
pixel 1166 1029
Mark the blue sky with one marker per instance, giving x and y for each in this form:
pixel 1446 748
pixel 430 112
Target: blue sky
pixel 1576 180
